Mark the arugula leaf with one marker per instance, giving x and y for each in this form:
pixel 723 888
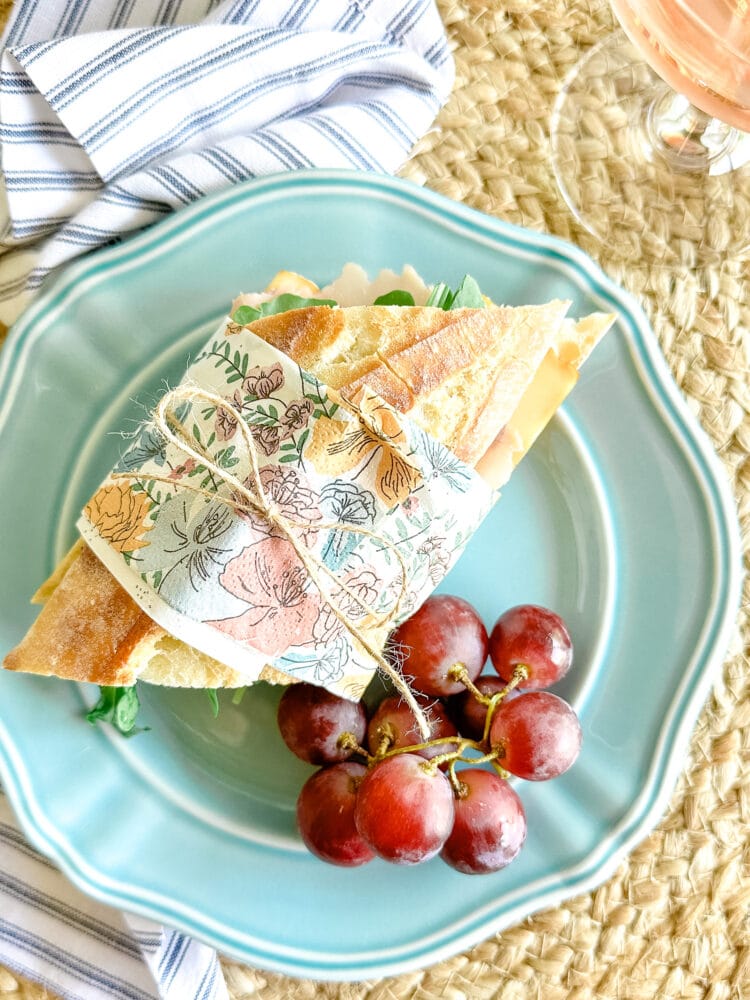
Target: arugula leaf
pixel 287 301
pixel 245 314
pixel 466 296
pixel 282 303
pixel 118 705
pixel 214 699
pixel 440 297
pixel 397 297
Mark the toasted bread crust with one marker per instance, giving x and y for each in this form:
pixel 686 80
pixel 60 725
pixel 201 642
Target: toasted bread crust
pixel 87 630
pixel 303 334
pixel 458 374
pixel 387 385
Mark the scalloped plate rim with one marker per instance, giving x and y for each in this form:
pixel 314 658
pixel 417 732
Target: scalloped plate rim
pixel 688 697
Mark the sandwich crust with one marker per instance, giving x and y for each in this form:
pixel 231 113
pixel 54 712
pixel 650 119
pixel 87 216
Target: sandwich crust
pixel 88 629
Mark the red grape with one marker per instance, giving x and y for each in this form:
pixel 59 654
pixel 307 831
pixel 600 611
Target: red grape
pixel 538 734
pixel 405 809
pixel 311 721
pixel 394 720
pixel 469 713
pixel 490 824
pixel 325 815
pixel 535 637
pixel 445 632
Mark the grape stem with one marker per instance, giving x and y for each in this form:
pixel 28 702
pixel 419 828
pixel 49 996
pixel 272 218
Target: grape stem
pixel 454 757
pixel 348 741
pixel 438 741
pixel 386 742
pixel 488 758
pixel 458 672
pixel 520 673
pixel 487 754
pixel 460 788
pixel 500 769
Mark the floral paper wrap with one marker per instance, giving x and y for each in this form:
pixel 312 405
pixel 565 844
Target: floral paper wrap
pixel 225 580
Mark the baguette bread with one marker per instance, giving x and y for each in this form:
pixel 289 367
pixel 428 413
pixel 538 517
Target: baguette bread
pixel 464 376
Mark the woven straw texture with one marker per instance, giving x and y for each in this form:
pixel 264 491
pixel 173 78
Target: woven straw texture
pixel 673 921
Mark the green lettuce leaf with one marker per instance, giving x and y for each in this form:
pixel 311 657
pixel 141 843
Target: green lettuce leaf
pixel 466 296
pixel 397 297
pixel 213 697
pixel 440 297
pixel 282 303
pixel 119 706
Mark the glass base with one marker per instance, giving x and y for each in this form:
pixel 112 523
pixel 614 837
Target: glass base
pixel 643 171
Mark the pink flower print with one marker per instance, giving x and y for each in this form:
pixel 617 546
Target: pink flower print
pixel 398 598
pixel 225 424
pixel 283 604
pixel 297 415
pixel 411 504
pixel 438 558
pixel 327 626
pixel 289 492
pixel 183 470
pixel 366 586
pixel 267 438
pixel 263 382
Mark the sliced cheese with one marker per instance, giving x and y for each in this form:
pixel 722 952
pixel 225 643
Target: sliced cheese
pixel 554 379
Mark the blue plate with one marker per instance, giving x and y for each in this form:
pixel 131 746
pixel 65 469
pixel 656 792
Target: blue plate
pixel 620 519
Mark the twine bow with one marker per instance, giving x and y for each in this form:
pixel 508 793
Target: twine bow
pixel 250 497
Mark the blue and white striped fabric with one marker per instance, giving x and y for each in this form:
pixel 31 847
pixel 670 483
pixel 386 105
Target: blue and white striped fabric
pixel 83 950
pixel 115 112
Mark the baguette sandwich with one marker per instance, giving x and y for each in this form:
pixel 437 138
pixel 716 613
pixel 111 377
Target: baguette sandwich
pixel 483 380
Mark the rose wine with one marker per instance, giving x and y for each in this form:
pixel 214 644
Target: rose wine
pixel 701 48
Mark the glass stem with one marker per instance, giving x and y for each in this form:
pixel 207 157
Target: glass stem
pixel 686 137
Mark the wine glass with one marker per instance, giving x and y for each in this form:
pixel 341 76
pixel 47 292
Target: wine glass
pixel 650 131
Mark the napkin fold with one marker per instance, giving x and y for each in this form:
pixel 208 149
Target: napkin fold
pixel 83 950
pixel 115 113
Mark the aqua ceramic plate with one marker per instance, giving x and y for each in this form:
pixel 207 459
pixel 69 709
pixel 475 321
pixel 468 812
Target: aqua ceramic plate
pixel 619 518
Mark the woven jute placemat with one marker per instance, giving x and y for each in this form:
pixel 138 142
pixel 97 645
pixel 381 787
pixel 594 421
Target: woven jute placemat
pixel 673 921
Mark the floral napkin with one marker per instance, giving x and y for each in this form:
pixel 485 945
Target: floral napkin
pixel 285 525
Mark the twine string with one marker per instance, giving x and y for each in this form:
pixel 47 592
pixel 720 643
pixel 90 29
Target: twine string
pixel 252 498
pixel 260 503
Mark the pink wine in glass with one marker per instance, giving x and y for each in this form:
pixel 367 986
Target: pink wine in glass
pixel 650 133
pixel 701 48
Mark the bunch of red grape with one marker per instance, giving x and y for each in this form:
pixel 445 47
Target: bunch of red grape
pixel 385 789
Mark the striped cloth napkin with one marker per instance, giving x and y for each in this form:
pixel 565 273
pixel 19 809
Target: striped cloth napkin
pixel 114 113
pixel 83 950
